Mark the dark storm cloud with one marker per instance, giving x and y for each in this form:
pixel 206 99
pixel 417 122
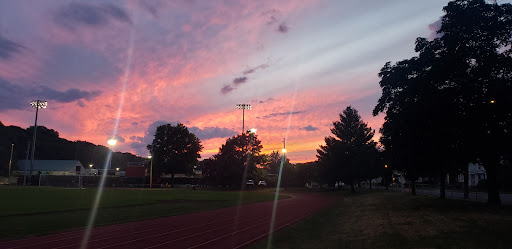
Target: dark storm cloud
pixel 8 48
pixel 254 69
pixel 84 14
pixel 239 80
pixel 276 114
pixel 211 132
pixel 17 97
pixel 226 89
pixel 282 28
pixel 309 128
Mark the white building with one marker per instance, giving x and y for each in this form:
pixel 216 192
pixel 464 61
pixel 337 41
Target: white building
pixel 476 173
pixel 52 167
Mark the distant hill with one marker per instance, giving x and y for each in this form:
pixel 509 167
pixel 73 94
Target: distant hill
pixel 49 146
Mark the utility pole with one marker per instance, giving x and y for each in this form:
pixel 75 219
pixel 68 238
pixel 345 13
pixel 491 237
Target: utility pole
pixel 10 163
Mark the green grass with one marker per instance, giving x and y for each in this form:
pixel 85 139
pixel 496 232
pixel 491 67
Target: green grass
pixel 27 211
pixel 395 220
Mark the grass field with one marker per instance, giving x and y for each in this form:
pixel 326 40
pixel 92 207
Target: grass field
pixel 29 211
pixel 396 220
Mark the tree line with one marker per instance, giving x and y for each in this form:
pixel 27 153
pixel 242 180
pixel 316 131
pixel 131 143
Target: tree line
pixel 446 107
pixel 50 146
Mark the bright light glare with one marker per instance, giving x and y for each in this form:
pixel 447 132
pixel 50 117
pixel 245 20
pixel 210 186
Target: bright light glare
pixel 150 156
pixel 253 130
pixel 117 169
pixel 284 150
pixel 385 166
pixel 90 165
pixel 492 101
pixel 112 141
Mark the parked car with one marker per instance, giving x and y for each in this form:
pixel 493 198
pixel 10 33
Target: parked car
pixel 262 183
pixel 249 183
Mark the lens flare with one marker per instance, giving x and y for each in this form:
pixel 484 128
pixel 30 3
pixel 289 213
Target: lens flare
pixel 99 192
pixel 276 196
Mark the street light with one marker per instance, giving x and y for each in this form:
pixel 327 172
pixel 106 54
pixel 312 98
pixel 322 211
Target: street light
pixel 38 104
pixel 253 131
pixel 111 142
pixel 151 172
pixel 243 107
pixel 90 165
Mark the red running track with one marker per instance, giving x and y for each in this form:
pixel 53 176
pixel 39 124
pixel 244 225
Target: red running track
pixel 232 227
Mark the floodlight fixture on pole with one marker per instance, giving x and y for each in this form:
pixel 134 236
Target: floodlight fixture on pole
pixel 111 142
pixel 243 107
pixel 38 104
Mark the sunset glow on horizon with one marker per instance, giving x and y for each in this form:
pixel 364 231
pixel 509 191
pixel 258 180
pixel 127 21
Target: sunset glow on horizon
pixel 298 63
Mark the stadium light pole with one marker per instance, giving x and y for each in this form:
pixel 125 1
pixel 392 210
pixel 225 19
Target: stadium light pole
pixel 151 172
pixel 111 142
pixel 38 104
pixel 243 107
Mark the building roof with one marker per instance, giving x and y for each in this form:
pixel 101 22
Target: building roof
pixel 49 165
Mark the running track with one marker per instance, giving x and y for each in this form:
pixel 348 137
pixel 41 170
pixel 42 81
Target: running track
pixel 233 227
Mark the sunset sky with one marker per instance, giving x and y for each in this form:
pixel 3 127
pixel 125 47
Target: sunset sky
pixel 298 63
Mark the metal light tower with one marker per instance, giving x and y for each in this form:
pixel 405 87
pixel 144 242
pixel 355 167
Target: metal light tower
pixel 36 104
pixel 243 107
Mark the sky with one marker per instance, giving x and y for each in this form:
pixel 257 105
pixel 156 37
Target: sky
pixel 121 68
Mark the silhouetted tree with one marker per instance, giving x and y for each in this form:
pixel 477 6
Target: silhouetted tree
pixel 236 161
pixel 346 156
pixel 452 101
pixel 175 150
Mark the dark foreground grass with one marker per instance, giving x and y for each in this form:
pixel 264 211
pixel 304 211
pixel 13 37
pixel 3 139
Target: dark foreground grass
pixel 393 220
pixel 41 210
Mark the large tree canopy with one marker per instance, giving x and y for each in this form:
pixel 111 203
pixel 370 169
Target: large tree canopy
pixel 348 155
pixel 452 101
pixel 236 159
pixel 175 150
